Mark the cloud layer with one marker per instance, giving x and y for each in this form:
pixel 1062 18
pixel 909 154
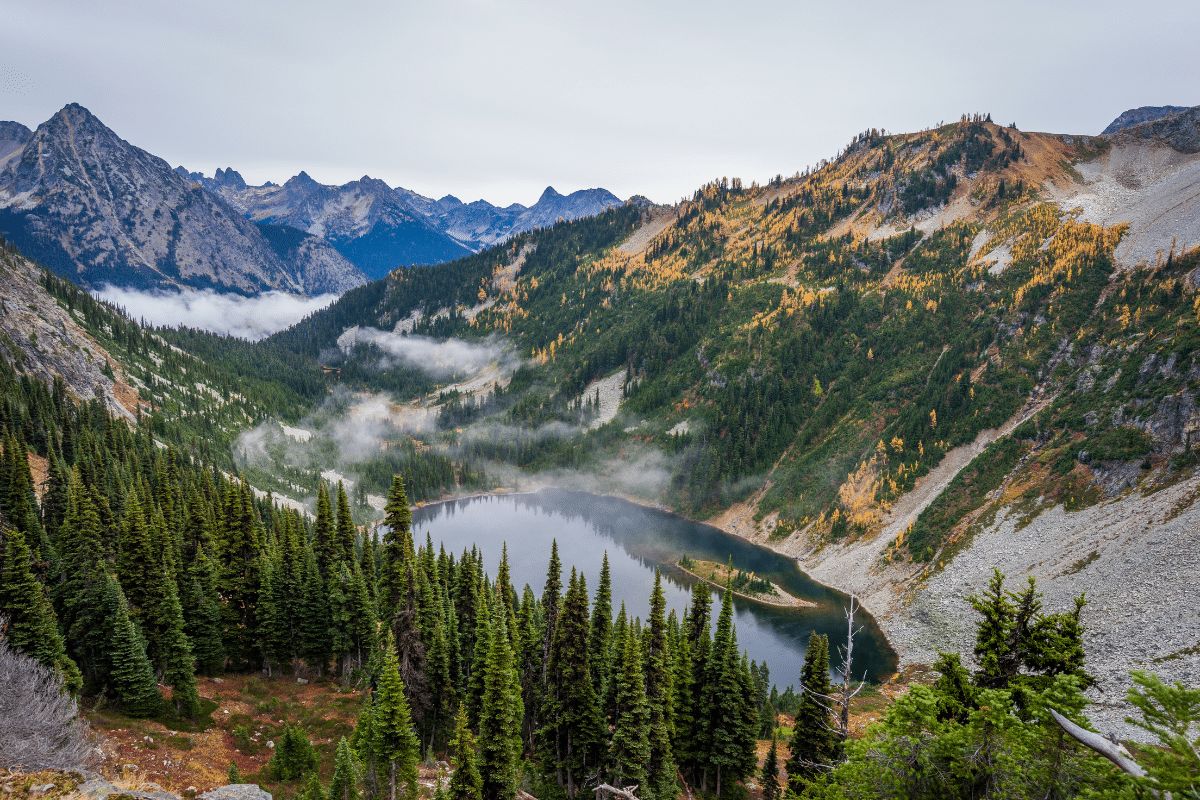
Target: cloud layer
pixel 440 358
pixel 246 317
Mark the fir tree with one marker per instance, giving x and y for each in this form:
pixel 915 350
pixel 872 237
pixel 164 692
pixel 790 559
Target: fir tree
pixel 202 613
pixel 345 532
pixel 727 697
pixel 573 727
pixel 32 625
pixel 465 782
pixel 294 756
pixel 312 789
pixel 814 739
pixel 395 745
pixel 344 785
pixel 397 551
pixel 598 638
pixel 175 653
pixel 662 783
pixel 325 544
pixel 770 772
pixel 629 748
pixel 131 676
pixel 500 715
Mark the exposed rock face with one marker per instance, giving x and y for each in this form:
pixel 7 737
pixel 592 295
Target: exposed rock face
pixel 1136 116
pixel 47 343
pixel 13 136
pixel 96 209
pixel 379 228
pixel 1180 129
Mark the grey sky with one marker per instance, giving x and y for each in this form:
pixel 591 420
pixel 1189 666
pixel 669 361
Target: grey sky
pixel 498 98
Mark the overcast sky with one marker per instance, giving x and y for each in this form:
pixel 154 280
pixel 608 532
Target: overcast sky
pixel 498 98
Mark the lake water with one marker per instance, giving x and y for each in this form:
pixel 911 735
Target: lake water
pixel 638 540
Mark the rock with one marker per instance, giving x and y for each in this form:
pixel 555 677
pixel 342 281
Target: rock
pixel 237 791
pixel 302 681
pixel 96 789
pixel 40 788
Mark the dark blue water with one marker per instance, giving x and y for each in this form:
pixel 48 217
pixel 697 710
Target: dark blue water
pixel 639 540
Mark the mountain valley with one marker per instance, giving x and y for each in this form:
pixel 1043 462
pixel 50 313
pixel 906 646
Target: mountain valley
pixel 935 355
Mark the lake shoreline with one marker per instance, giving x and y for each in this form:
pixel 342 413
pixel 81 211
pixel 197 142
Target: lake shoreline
pixel 884 630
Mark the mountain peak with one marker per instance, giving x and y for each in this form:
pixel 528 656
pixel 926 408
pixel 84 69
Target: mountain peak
pixel 230 177
pixel 75 114
pixel 1136 116
pixel 550 193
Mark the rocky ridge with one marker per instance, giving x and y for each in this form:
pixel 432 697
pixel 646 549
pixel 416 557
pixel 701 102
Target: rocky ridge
pixel 99 210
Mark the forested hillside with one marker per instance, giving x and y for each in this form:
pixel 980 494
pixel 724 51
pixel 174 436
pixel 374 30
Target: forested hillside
pixel 818 343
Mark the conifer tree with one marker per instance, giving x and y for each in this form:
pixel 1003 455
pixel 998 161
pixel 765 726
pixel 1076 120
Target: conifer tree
pixel 479 658
pixel 692 738
pixel 500 716
pixel 32 627
pixel 815 739
pixel 629 748
pixel 601 631
pixel 325 535
pixel 202 613
pixel 175 653
pixel 345 532
pixel 573 726
pixel 316 643
pixel 344 785
pixel 398 551
pixel 131 676
pixel 727 697
pixel 312 790
pixel 395 745
pixel 465 782
pixel 770 772
pixel 294 756
pixel 662 783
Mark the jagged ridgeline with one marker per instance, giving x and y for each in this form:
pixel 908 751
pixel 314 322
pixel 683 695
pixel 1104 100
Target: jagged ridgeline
pixel 814 345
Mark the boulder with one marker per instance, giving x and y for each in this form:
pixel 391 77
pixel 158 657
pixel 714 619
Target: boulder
pixel 237 791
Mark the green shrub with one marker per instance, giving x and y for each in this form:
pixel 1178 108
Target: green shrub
pixel 294 755
pixel 1118 444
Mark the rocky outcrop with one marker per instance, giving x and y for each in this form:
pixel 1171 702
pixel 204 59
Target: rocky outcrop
pixel 1136 116
pixel 1180 130
pixel 41 338
pixel 97 788
pixel 99 210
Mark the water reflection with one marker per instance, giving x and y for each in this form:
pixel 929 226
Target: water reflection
pixel 639 540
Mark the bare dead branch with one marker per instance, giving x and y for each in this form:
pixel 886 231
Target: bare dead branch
pixel 1116 753
pixel 40 726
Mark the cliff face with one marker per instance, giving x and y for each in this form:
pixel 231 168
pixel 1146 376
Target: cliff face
pixel 42 339
pixel 99 210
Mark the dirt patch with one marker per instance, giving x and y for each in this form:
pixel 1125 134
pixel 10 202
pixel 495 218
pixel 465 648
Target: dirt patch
pixel 39 471
pixel 248 713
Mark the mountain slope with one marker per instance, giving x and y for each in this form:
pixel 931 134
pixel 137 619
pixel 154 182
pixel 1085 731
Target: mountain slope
pixel 910 352
pixel 96 209
pixel 380 228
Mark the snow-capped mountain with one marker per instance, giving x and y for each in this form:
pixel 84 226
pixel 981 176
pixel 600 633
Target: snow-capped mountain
pixel 99 210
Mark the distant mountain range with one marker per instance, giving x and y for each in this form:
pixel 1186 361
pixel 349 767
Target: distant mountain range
pixel 99 210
